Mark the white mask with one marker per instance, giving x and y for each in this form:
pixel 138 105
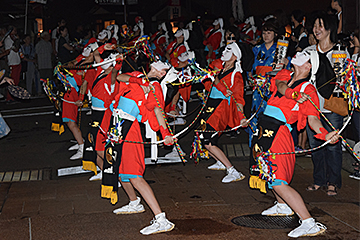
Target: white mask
pixel 110 64
pixel 226 54
pixel 300 58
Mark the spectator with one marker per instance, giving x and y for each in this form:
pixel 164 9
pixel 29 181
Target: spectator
pixel 88 34
pixel 12 43
pixel 44 55
pixel 298 37
pixel 284 28
pixel 3 52
pixel 337 6
pixel 354 44
pixel 55 36
pixel 264 59
pixel 197 32
pixel 265 52
pixel 28 60
pixel 3 58
pixel 327 160
pixel 79 33
pixel 64 48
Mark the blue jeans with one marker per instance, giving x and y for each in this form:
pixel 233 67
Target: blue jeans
pixel 327 160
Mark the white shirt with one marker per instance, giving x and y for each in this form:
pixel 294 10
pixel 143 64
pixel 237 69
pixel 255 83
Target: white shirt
pixel 13 57
pixel 329 56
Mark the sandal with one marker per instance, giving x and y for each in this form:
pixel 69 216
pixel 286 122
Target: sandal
pixel 331 192
pixel 356 166
pixel 313 188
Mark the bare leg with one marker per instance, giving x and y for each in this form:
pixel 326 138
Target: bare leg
pixel 174 102
pixel 219 155
pixel 212 155
pixel 99 159
pixel 302 139
pixel 285 193
pixel 147 193
pixel 76 132
pixel 129 189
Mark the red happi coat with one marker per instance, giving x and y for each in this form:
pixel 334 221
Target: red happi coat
pixel 133 158
pixel 175 50
pixel 293 112
pixel 227 114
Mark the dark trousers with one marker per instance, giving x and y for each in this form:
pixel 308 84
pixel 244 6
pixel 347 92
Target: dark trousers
pixel 327 160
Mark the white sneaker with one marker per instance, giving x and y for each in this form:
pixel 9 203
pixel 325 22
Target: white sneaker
pixel 79 153
pixel 158 225
pixel 132 207
pixel 96 177
pixel 119 185
pixel 173 154
pixel 217 166
pixel 233 176
pixel 74 147
pixel 178 121
pixel 279 209
pixel 308 227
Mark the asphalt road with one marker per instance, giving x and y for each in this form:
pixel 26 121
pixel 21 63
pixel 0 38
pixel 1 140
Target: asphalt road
pixel 193 197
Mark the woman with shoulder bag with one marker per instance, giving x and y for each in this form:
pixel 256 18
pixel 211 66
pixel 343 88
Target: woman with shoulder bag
pixel 327 161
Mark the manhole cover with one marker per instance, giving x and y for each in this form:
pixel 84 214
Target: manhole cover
pixel 266 222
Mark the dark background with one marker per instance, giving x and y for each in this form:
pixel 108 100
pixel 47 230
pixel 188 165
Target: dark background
pixel 87 12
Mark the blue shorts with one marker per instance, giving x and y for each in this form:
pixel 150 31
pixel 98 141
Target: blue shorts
pixel 277 182
pixel 67 120
pixel 127 177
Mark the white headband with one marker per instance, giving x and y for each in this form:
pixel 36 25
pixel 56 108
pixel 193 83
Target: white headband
pixel 159 65
pixel 103 34
pixel 179 33
pixel 219 21
pixel 186 55
pixel 235 50
pixel 163 26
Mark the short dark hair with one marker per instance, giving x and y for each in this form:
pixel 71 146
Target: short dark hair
pixel 339 2
pixel 234 31
pixel 62 28
pixel 330 23
pixel 271 25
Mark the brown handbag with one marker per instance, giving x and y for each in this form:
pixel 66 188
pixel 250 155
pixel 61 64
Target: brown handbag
pixel 337 105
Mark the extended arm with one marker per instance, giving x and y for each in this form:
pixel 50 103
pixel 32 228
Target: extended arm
pixel 322 134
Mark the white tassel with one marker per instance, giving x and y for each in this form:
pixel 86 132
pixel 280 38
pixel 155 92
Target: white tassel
pixel 237 9
pixel 240 11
